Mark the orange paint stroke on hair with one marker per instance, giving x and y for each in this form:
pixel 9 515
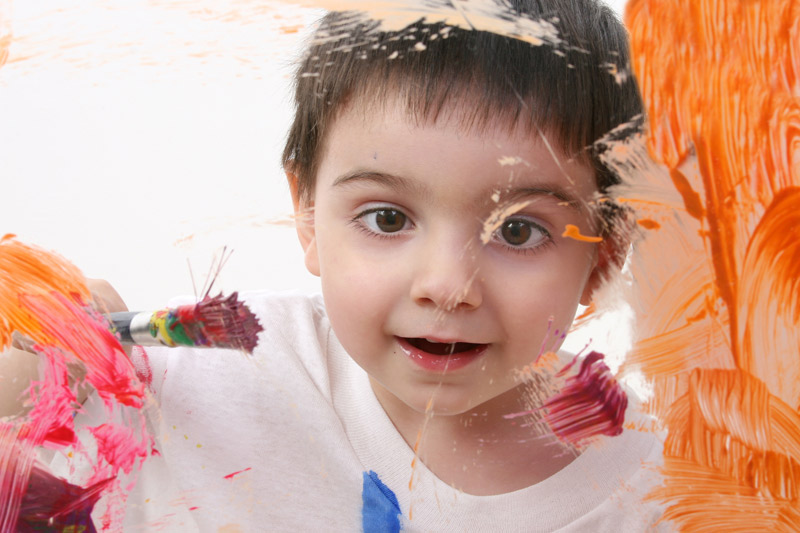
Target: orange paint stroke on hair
pixel 718 287
pixel 573 232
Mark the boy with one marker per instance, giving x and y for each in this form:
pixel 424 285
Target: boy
pixel 434 171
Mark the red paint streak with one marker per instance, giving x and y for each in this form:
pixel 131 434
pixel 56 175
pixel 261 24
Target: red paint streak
pixel 85 337
pixel 54 404
pixel 44 298
pixel 142 365
pixel 231 476
pixel 16 460
pixel 589 404
pixel 119 446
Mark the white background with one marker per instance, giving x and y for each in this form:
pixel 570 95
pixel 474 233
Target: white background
pixel 139 135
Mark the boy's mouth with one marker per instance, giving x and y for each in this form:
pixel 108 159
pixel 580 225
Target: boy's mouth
pixel 441 348
pixel 440 357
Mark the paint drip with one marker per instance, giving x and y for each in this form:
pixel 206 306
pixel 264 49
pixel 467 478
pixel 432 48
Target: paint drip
pixel 718 331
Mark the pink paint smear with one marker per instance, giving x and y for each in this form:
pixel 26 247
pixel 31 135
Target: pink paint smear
pixel 75 348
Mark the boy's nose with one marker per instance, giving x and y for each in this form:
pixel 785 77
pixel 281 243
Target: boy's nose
pixel 447 277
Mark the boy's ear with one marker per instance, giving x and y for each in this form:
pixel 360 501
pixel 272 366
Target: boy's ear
pixel 304 222
pixel 609 259
pixel 596 277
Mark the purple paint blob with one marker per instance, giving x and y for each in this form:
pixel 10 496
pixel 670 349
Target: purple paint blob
pixel 590 403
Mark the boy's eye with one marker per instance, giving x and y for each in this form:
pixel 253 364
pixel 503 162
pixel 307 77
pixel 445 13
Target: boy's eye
pixel 385 220
pixel 521 233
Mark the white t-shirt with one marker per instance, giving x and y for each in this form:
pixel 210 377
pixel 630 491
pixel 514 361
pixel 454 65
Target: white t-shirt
pixel 292 438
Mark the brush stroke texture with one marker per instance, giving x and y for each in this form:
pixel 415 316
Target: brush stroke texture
pixel 718 334
pixel 45 298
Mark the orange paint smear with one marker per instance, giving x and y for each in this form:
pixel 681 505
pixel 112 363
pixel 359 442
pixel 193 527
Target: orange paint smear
pixel 769 297
pixel 44 298
pixel 718 294
pixel 291 29
pixel 647 223
pixel 34 272
pixel 5 44
pixel 571 231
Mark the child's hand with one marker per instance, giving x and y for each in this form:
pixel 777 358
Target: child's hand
pixel 106 298
pixel 19 364
pixel 17 369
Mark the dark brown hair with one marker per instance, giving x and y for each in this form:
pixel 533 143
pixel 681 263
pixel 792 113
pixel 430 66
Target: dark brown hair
pixel 576 86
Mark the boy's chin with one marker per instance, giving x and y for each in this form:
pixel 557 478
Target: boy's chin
pixel 447 400
pixel 454 404
pixel 489 405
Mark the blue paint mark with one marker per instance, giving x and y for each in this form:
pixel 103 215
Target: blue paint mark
pixel 381 511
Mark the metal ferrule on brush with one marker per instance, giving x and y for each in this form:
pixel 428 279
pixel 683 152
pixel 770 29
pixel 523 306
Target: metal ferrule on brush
pixel 134 328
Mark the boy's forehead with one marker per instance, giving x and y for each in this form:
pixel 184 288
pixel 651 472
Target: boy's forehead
pixel 386 142
pixel 463 113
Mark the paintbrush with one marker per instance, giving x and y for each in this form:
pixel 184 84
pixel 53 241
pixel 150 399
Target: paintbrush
pixel 218 322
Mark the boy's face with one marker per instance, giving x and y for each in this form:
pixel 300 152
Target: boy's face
pixel 436 232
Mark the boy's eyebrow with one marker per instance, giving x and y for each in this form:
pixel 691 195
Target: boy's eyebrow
pixel 381 178
pixel 508 195
pixel 554 191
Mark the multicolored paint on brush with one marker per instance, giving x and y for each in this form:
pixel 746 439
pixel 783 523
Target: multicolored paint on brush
pixel 220 322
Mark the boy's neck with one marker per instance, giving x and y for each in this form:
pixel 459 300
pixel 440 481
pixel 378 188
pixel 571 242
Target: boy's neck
pixel 480 452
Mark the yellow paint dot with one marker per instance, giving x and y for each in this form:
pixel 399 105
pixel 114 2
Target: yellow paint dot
pixel 199 445
pixel 186 437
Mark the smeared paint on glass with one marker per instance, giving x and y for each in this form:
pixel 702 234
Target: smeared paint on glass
pixel 716 292
pixel 718 272
pixel 45 298
pixel 589 404
pixel 381 510
pixel 580 407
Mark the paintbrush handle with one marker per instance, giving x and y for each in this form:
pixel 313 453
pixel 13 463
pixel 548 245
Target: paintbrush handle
pixel 134 328
pixel 221 322
pixel 159 328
